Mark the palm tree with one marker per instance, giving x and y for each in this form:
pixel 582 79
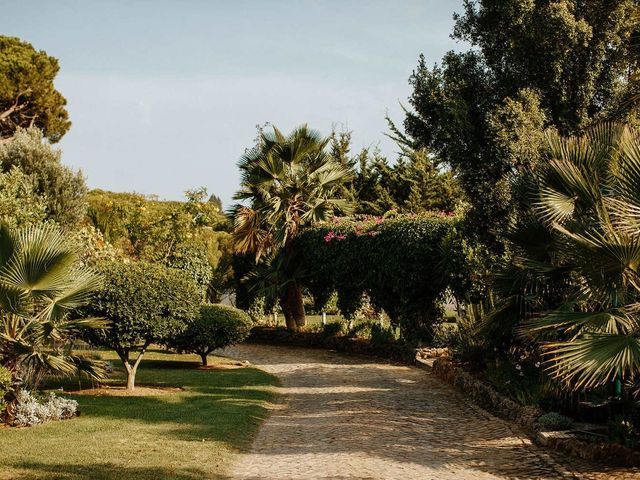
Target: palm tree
pixel 287 182
pixel 41 284
pixel 574 277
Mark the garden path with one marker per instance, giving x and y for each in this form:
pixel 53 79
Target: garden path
pixel 347 417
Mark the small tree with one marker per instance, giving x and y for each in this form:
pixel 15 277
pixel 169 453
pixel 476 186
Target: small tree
pixel 145 303
pixel 217 326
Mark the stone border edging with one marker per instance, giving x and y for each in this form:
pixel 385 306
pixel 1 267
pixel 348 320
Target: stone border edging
pixel 489 399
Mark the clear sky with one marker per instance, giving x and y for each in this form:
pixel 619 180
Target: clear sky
pixel 166 95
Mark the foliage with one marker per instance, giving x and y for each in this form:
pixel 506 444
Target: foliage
pixel 20 204
pixel 183 235
pixel 28 96
pixel 219 251
pixel 217 326
pixel 204 209
pixel 554 421
pixel 333 329
pixel 397 261
pixel 445 335
pixel 412 184
pixel 621 430
pixel 6 388
pixel 289 182
pixel 61 188
pixel 145 303
pixel 93 248
pixel 147 228
pixel 28 411
pixel 381 335
pixel 42 283
pixel 257 310
pixel 572 284
pixel 192 259
pixel 533 64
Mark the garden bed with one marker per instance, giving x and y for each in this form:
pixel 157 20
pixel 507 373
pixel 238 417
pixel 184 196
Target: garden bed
pixel 394 352
pixel 570 442
pixel 121 391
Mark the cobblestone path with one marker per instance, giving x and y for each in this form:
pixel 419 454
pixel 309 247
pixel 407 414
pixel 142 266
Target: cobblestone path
pixel 343 417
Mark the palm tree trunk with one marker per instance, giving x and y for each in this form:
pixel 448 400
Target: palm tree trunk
pixel 297 304
pixel 286 302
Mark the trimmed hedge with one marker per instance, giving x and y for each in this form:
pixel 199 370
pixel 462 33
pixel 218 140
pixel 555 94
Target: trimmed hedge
pixel 398 261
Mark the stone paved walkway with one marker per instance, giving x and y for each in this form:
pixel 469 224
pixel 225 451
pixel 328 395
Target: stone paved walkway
pixel 344 417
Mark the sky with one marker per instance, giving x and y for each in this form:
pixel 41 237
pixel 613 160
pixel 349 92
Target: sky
pixel 165 96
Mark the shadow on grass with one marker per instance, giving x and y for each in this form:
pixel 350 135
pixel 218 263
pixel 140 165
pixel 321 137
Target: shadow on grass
pixel 105 471
pixel 218 405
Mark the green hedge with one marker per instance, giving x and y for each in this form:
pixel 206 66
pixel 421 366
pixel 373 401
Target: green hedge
pixel 399 261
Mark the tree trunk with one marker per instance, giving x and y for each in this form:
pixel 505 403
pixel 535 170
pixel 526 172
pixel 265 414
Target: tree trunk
pixel 297 305
pixel 131 369
pixel 286 310
pixel 205 360
pixel 131 377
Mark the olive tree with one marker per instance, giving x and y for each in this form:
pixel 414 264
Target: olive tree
pixel 145 303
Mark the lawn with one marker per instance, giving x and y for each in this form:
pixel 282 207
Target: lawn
pixel 190 434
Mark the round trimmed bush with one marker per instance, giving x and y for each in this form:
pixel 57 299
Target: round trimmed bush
pixel 554 421
pixel 216 327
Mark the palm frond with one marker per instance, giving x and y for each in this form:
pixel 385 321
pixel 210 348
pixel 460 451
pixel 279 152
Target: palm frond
pixel 594 360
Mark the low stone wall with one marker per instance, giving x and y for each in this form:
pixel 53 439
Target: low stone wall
pixel 395 352
pixel 602 453
pixel 488 398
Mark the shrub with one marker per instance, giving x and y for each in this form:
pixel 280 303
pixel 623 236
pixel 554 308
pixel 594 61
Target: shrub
pixel 554 421
pixel 217 326
pixel 145 303
pixel 61 188
pixel 445 335
pixel 381 335
pixel 333 329
pixel 360 330
pixel 192 259
pixel 6 386
pixel 257 311
pixel 28 411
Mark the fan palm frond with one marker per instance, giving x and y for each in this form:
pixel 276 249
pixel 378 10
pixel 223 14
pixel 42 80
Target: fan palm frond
pixel 41 285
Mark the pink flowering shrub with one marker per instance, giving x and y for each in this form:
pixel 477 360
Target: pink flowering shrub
pixel 396 260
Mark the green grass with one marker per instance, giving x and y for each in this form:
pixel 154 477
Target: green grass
pixel 187 435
